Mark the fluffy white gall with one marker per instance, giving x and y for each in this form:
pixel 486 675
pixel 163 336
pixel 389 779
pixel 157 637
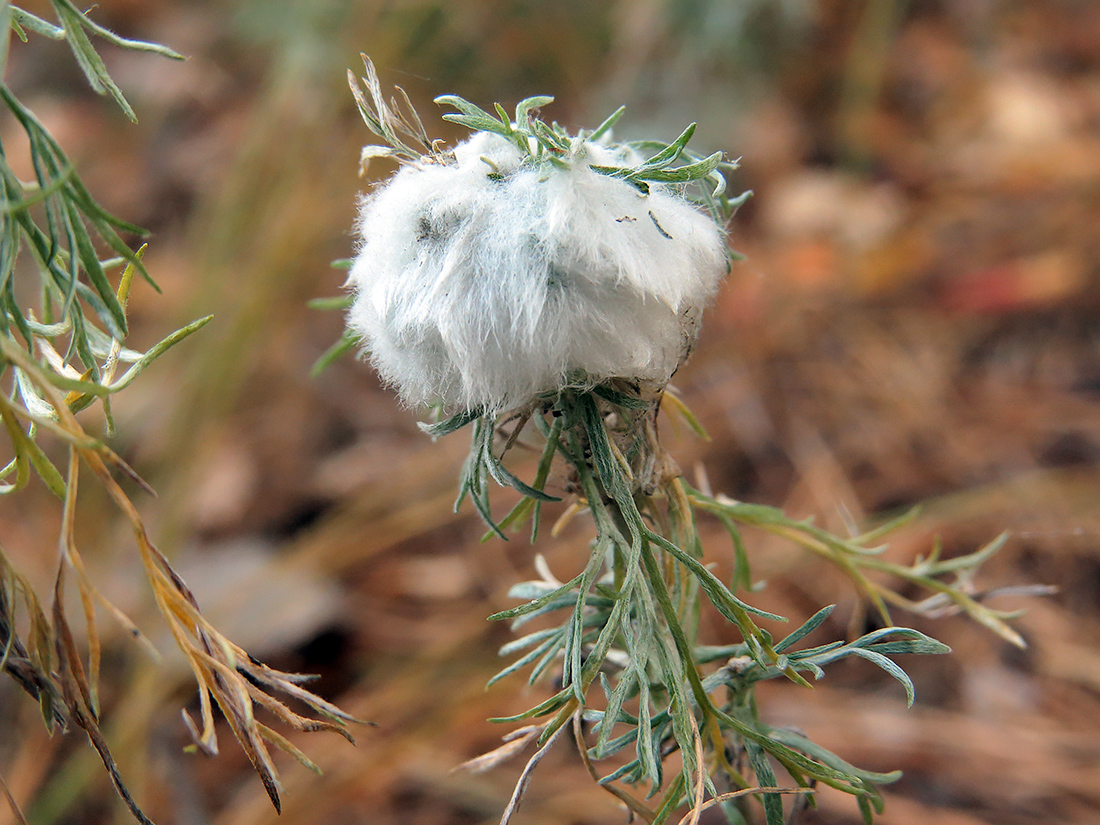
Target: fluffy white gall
pixel 484 282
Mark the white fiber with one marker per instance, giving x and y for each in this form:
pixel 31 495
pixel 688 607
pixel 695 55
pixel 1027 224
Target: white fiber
pixel 489 280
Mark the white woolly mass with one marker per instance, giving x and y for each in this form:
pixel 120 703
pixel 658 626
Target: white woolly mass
pixel 485 282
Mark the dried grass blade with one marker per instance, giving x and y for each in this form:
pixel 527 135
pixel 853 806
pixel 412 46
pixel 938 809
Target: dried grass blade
pixel 285 745
pixel 221 668
pixel 516 741
pixel 18 814
pixel 87 599
pixel 95 736
pixel 296 721
pixel 279 681
pixel 74 683
pixel 525 777
pixel 75 690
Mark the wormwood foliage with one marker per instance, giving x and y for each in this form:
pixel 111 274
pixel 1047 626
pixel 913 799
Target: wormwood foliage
pixel 57 358
pixel 661 720
pixel 674 717
pixel 397 123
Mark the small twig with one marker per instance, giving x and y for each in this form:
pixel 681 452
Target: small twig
pixel 726 797
pixel 633 804
pixel 697 805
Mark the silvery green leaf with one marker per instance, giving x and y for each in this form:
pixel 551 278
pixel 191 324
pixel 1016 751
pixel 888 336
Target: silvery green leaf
pixel 765 777
pixel 345 344
pixel 531 590
pixel 530 639
pixel 605 127
pixel 127 43
pixel 551 643
pixel 627 684
pixel 542 709
pixel 795 740
pixel 524 107
pixel 681 174
pixel 810 625
pixel 537 603
pixel 473 117
pixel 505 478
pixel 548 137
pixel 922 647
pixel 620 399
pixel 669 154
pixel 890 667
pixel 73 22
pixel 553 651
pixel 450 425
pixel 31 22
pixel 157 350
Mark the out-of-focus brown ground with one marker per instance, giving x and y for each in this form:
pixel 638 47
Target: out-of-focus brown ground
pixel 916 321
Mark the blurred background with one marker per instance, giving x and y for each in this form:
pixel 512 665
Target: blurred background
pixel 915 322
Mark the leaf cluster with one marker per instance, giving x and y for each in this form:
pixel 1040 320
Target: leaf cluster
pixel 622 640
pixel 75 27
pixel 76 332
pixel 57 358
pixel 701 178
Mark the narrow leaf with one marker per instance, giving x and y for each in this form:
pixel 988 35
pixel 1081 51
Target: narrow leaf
pixel 158 350
pixel 524 107
pixel 36 24
pixel 681 174
pixel 669 154
pixel 123 42
pixel 345 344
pixel 605 127
pixel 89 61
pixel 890 667
pixel 536 603
pixel 806 629
pixel 765 776
pixel 450 425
